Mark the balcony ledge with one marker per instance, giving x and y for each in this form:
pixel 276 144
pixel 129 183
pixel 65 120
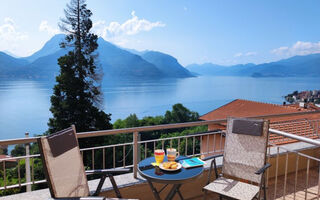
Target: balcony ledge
pixel 128 180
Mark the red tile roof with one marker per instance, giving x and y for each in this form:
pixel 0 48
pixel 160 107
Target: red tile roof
pixel 302 127
pixel 297 124
pixel 6 156
pixel 246 108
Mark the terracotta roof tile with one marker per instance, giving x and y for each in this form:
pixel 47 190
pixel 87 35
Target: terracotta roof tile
pixel 246 108
pixel 303 125
pixel 6 156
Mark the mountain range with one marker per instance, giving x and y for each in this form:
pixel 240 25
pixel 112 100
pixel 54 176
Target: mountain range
pixel 117 62
pixel 297 66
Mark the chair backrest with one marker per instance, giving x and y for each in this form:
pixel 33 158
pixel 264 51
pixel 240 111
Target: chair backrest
pixel 63 164
pixel 245 148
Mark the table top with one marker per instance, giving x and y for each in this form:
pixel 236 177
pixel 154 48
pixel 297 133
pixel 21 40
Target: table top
pixel 156 174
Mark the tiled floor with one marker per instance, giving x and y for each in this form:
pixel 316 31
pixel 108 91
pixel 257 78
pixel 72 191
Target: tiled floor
pixel 311 194
pixel 301 192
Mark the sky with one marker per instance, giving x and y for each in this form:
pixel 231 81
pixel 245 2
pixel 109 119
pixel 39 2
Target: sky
pixel 194 31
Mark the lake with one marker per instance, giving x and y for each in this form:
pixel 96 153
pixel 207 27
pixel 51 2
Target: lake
pixel 24 104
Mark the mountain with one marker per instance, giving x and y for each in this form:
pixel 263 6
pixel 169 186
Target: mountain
pixel 117 62
pixel 114 61
pixel 139 53
pixel 297 66
pixel 10 54
pixel 166 64
pixel 50 47
pixel 219 70
pixel 9 65
pixel 45 67
pixel 206 69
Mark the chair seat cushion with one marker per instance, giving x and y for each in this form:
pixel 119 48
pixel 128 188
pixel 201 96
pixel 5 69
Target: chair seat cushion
pixel 232 188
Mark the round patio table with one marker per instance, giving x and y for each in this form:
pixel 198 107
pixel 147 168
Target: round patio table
pixel 175 178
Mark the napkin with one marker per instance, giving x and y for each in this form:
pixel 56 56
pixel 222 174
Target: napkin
pixel 155 164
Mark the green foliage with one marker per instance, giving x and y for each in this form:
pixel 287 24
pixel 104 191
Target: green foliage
pixel 12 176
pixel 3 151
pixel 182 147
pixel 19 150
pixel 180 114
pixel 77 96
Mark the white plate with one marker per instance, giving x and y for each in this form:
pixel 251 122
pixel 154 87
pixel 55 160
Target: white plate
pixel 170 170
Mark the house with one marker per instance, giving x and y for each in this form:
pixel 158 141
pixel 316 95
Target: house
pixel 296 123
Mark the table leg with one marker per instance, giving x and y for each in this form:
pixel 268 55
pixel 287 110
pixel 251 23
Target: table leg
pixel 154 191
pixel 173 191
pixel 180 195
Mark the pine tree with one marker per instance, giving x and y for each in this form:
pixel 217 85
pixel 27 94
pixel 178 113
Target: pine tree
pixel 77 98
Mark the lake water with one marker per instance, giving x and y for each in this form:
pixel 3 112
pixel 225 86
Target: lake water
pixel 24 104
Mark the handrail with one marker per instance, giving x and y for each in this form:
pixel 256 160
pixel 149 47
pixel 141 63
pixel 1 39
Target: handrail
pixel 151 128
pixel 296 137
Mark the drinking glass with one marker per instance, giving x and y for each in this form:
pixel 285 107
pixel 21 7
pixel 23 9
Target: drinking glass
pixel 172 154
pixel 159 155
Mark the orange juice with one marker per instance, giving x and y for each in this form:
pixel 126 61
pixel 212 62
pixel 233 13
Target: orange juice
pixel 159 155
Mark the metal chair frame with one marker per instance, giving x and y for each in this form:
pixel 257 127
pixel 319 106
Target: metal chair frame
pixel 103 173
pixel 261 171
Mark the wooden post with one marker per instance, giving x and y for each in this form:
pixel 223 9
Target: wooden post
pixel 27 163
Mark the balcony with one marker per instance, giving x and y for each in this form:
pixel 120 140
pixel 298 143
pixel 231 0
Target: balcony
pixel 294 173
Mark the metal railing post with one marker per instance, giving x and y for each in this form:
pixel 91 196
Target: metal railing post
pixel 317 128
pixel 27 163
pixel 139 148
pixel 135 153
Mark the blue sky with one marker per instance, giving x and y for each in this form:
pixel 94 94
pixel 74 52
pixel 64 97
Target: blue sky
pixel 194 31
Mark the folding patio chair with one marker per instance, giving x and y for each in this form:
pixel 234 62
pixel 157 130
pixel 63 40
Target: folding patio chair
pixel 244 161
pixel 64 169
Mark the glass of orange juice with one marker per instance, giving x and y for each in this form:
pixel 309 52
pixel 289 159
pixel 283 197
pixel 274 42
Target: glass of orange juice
pixel 159 155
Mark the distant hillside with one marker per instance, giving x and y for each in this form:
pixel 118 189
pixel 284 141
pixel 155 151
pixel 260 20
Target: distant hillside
pixel 10 54
pixel 50 47
pixel 10 65
pixel 166 64
pixel 45 67
pixel 219 70
pixel 115 62
pixel 123 63
pixel 297 66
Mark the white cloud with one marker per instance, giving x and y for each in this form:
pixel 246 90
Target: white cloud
pixel 299 48
pixel 9 32
pixel 185 8
pixel 238 55
pixel 45 27
pixel 250 53
pixel 10 35
pixel 117 32
pixel 8 20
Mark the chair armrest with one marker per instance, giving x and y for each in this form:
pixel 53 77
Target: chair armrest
pixel 104 173
pixel 212 164
pixel 212 157
pixel 108 171
pixel 263 169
